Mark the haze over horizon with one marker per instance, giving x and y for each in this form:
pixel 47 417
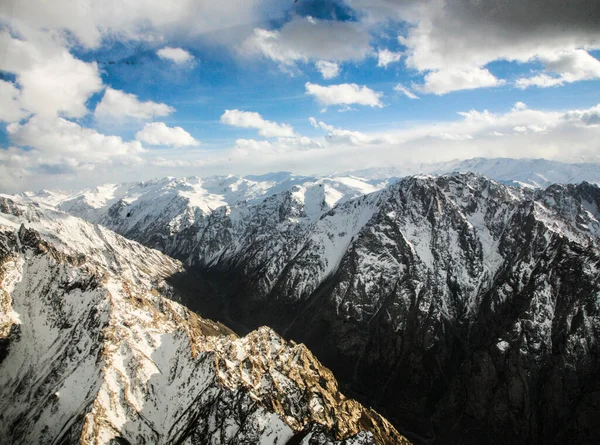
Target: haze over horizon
pixel 110 92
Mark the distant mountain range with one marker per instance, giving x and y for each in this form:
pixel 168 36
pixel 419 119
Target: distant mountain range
pixel 523 172
pixel 207 194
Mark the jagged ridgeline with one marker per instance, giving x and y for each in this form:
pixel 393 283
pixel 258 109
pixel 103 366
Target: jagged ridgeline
pixel 464 310
pixel 94 349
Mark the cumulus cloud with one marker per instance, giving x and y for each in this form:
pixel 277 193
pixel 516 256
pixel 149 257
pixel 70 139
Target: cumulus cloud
pixel 304 39
pixel 399 88
pixel 158 133
pixel 591 116
pixel 250 146
pixel 568 66
pixel 117 105
pixel 328 70
pixel 51 80
pixel 459 33
pixel 57 146
pixel 344 94
pixel 519 132
pixel 176 55
pixel 63 137
pixel 445 81
pixel 149 20
pixel 450 36
pixel 385 57
pixel 10 103
pixel 548 134
pixel 519 106
pixel 250 119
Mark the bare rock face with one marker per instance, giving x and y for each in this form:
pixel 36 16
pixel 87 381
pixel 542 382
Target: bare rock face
pixel 94 350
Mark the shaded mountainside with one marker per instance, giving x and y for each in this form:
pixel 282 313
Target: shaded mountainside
pixel 466 311
pixel 94 350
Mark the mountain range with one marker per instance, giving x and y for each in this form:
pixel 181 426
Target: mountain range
pixel 464 308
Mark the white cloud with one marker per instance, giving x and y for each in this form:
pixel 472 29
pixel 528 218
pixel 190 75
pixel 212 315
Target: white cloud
pixel 339 135
pixel 61 137
pixel 567 136
pixel 385 57
pixel 547 134
pixel 282 146
pixel 148 20
pixel 304 39
pixel 344 94
pixel 158 133
pixel 117 105
pixel 300 142
pixel 15 170
pixel 328 70
pixel 176 55
pixel 520 106
pixel 520 132
pixel 591 116
pixel 574 63
pixel 10 103
pixel 449 36
pixel 403 90
pixel 253 146
pixel 51 80
pixel 541 80
pixel 445 81
pixel 568 66
pixel 452 136
pixel 250 119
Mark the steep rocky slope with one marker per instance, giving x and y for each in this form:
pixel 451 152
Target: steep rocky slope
pixel 94 350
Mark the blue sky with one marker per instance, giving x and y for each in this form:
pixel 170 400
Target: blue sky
pixel 111 91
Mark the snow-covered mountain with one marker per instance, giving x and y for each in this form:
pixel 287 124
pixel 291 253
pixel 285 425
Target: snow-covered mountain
pixel 203 195
pixel 156 212
pixel 162 213
pixel 466 309
pixel 94 349
pixel 537 173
